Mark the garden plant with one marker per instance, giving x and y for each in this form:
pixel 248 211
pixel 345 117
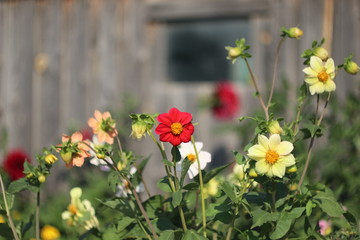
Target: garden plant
pixel 268 194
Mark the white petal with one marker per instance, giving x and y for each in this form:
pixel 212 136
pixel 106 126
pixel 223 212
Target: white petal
pixel 262 167
pixel 75 192
pixel 287 160
pixel 284 148
pixel 317 88
pixel 263 141
pixel 204 157
pixel 193 171
pixel 185 149
pixel 274 141
pixel 310 72
pixel 316 64
pixel 65 215
pixel 199 146
pixel 330 85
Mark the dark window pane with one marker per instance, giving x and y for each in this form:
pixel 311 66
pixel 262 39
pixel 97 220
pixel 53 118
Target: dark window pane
pixel 196 49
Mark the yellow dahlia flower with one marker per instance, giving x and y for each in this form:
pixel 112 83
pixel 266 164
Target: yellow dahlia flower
pixel 320 76
pixel 272 155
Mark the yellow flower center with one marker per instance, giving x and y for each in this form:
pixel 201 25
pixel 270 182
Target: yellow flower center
pixel 271 157
pixel 176 128
pixel 72 208
pixel 191 157
pixel 323 77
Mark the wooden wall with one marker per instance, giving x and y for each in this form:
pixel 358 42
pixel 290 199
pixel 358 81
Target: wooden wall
pixel 61 59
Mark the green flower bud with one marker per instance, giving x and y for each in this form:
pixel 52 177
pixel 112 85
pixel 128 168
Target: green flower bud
pixel 100 155
pixel 295 32
pixel 29 175
pixel 253 173
pixel 274 128
pixel 322 53
pixel 41 178
pixel 50 158
pixel 351 67
pixel 66 156
pixel 233 53
pixel 139 129
pixel 293 169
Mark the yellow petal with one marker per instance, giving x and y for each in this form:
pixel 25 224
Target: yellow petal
pixel 330 66
pixel 287 160
pixel 310 72
pixel 75 192
pixel 263 141
pixel 311 81
pixel 274 141
pixel 257 152
pixel 284 148
pixel 278 169
pixel 317 88
pixel 330 86
pixel 262 167
pixel 316 64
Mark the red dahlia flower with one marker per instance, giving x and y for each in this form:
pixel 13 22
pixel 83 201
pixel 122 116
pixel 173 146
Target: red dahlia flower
pixel 175 127
pixel 226 101
pixel 14 163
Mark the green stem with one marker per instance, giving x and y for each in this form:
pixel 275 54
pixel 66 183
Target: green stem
pixel 201 187
pixel 143 229
pixel 11 223
pixel 257 90
pixel 37 217
pixel 172 184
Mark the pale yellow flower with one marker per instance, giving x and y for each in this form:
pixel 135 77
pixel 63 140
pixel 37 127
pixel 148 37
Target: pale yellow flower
pixel 320 76
pixel 272 155
pixel 211 188
pixel 274 127
pixel 49 232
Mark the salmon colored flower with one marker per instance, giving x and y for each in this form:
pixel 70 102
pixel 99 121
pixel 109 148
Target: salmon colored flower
pixel 14 163
pixel 103 126
pixel 175 127
pixel 320 76
pixel 74 150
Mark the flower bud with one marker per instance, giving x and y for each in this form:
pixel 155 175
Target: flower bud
pixel 293 169
pixel 66 156
pixel 351 67
pixel 322 53
pixel 293 187
pixel 41 178
pixel 29 175
pixel 295 32
pixel 274 128
pixel 100 155
pixel 50 158
pixel 253 173
pixel 138 130
pixel 233 52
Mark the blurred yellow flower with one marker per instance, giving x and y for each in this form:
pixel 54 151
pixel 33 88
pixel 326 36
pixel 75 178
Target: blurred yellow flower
pixel 211 188
pixel 320 76
pixel 272 155
pixel 2 219
pixel 49 232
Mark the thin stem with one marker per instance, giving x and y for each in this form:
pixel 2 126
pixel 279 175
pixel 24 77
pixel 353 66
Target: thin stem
pixel 142 180
pixel 201 187
pixel 119 144
pixel 257 90
pixel 37 217
pixel 274 72
pixel 143 229
pixel 11 223
pixel 317 122
pixel 297 119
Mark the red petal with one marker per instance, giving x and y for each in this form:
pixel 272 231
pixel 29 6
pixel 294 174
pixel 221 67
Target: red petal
pixel 175 114
pixel 185 118
pixel 162 128
pixel 165 118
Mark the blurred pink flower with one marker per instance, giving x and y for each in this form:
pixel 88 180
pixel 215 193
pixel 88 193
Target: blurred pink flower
pixel 14 163
pixel 226 102
pixel 325 227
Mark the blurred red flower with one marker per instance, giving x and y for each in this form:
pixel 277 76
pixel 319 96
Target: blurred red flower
pixel 14 163
pixel 226 102
pixel 175 127
pixel 87 133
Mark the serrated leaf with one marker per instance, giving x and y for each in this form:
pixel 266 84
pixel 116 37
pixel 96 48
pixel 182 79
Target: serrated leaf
pixel 192 235
pixel 9 200
pixel 164 184
pixel 167 235
pixel 285 221
pixel 239 158
pixel 113 180
pixel 260 217
pixel 18 185
pixel 328 203
pixel 176 198
pixel 123 223
pixel 228 189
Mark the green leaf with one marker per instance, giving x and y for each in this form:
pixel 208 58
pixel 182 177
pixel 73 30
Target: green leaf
pixel 191 186
pixel 228 189
pixel 309 206
pixel 260 217
pixel 176 154
pixel 167 163
pixel 185 165
pixel 164 184
pixel 167 235
pixel 212 173
pixel 18 185
pixel 192 235
pixel 123 223
pixel 142 165
pixel 239 158
pixel 328 203
pixel 9 200
pixel 285 221
pixel 176 198
pixel 5 231
pixel 113 180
